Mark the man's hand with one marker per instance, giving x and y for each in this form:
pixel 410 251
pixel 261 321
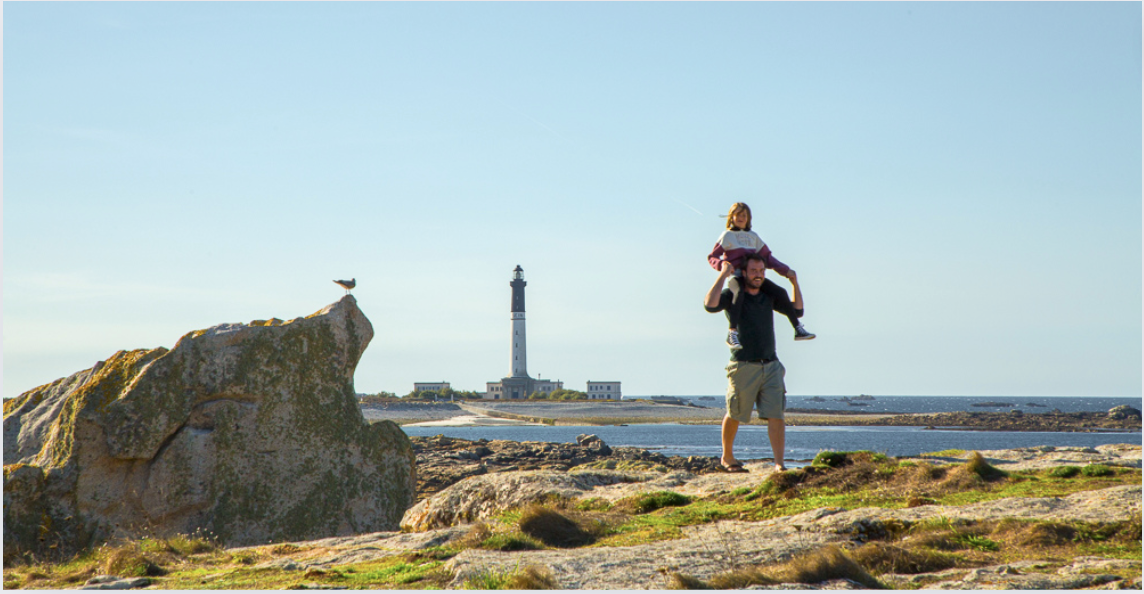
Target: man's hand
pixel 712 298
pixel 792 276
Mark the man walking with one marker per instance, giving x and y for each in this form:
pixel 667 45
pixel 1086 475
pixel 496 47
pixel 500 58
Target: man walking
pixel 755 375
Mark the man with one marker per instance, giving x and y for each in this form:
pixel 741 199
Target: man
pixel 755 375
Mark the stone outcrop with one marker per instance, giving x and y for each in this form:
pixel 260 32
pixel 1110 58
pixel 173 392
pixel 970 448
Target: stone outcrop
pixel 1123 412
pixel 250 432
pixel 443 461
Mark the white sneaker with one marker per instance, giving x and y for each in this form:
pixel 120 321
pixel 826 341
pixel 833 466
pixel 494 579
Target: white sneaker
pixel 733 340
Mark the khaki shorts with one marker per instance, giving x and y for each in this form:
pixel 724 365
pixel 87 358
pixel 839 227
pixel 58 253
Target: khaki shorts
pixel 755 384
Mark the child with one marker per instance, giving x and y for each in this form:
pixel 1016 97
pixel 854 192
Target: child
pixel 737 241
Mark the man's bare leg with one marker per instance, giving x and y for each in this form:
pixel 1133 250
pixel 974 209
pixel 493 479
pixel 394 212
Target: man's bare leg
pixel 776 431
pixel 730 428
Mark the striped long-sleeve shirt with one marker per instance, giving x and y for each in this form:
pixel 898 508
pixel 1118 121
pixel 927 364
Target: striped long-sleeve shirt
pixel 734 245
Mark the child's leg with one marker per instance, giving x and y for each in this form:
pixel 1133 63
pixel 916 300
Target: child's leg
pixel 774 291
pixel 733 313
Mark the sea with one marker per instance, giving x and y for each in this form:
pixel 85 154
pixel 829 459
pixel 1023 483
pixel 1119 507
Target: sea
pixel 803 443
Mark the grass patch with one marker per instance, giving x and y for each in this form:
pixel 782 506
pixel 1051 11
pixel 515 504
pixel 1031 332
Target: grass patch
pixel 594 504
pixel 526 578
pixel 649 502
pixel 390 572
pixel 944 454
pixel 553 528
pixel 1063 471
pixel 887 558
pixel 622 466
pixel 1097 470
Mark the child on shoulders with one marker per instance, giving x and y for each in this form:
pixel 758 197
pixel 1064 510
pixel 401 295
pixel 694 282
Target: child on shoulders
pixel 735 243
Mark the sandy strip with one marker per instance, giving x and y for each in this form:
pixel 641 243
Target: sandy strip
pixel 473 421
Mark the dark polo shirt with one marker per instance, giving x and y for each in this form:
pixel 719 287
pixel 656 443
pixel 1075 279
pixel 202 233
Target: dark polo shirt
pixel 757 322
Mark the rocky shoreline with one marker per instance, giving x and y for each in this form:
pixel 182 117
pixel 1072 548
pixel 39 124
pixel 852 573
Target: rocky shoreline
pixel 443 461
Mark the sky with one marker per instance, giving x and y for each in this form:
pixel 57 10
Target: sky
pixel 958 186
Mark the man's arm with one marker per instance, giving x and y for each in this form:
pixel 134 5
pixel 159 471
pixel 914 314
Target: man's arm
pixel 773 263
pixel 797 292
pixel 711 303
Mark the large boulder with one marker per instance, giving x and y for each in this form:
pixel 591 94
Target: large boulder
pixel 249 432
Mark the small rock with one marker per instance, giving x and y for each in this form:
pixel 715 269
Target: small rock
pixel 115 583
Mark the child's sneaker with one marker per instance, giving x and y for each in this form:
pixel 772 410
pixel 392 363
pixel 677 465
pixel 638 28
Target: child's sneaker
pixel 800 333
pixel 733 340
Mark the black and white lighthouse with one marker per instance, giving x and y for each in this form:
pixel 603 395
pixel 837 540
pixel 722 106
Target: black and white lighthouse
pixel 519 349
pixel 518 384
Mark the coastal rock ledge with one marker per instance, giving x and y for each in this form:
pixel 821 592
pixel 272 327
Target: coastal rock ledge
pixel 250 432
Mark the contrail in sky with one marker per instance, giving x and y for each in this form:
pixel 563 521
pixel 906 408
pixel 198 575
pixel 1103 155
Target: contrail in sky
pixel 520 112
pixel 688 206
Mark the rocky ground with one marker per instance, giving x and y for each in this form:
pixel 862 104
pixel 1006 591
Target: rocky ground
pixel 443 461
pixel 1012 519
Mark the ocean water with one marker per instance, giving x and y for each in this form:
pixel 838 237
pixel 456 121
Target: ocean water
pixel 934 404
pixel 803 443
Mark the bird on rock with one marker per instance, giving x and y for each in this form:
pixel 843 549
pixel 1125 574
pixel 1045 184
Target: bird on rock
pixel 347 284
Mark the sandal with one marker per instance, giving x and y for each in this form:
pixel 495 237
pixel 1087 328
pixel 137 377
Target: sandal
pixel 733 468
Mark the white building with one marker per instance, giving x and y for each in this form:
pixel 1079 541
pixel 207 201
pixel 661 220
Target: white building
pixel 603 390
pixel 430 386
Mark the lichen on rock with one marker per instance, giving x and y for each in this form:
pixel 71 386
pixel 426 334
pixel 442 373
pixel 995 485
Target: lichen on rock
pixel 250 432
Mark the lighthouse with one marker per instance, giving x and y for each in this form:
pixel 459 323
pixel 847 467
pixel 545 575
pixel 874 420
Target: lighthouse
pixel 519 350
pixel 518 385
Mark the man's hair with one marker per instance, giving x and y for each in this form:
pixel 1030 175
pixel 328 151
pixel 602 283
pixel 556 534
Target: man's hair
pixel 736 207
pixel 754 256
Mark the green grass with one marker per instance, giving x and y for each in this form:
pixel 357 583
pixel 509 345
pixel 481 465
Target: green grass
pixel 1064 471
pixel 1040 484
pixel 944 454
pixel 660 499
pixel 1097 470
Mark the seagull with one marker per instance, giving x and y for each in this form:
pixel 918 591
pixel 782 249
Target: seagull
pixel 347 284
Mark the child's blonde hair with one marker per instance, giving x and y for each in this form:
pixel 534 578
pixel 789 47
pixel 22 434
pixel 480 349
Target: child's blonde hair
pixel 735 208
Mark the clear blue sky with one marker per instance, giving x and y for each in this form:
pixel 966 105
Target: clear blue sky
pixel 957 184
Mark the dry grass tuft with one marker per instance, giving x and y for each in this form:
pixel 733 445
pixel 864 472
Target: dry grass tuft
pixel 128 561
pixel 285 549
pixel 532 577
pixel 476 535
pixel 814 567
pixel 552 528
pixel 884 558
pixel 822 565
pixel 741 578
pixel 977 465
pixel 1040 534
pixel 917 501
pixel 679 581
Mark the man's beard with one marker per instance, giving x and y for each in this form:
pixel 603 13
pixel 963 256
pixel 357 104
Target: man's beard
pixel 755 282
